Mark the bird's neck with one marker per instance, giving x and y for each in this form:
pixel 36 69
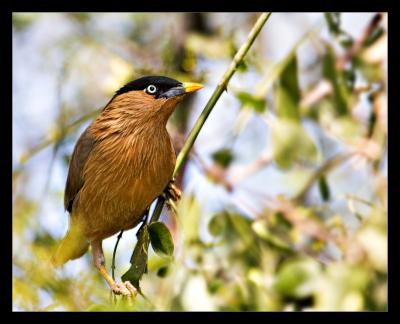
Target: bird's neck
pixel 125 123
pixel 129 114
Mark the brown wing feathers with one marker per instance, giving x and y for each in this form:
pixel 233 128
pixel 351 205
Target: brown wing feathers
pixel 79 157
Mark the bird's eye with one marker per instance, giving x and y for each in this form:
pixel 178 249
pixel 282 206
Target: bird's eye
pixel 151 89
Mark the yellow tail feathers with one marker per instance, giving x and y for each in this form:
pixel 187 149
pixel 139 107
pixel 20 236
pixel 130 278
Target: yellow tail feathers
pixel 73 246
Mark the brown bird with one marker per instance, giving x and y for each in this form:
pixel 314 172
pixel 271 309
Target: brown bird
pixel 120 164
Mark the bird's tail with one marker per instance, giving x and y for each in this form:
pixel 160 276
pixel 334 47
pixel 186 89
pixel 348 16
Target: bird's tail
pixel 73 246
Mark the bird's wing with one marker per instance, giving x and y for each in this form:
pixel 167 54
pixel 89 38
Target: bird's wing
pixel 79 157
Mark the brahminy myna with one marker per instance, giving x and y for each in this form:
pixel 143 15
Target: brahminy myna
pixel 120 164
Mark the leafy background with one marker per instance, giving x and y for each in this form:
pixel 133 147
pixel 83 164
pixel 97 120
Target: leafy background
pixel 284 201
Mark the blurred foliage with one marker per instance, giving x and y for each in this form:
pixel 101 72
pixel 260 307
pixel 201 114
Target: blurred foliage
pixel 291 253
pixel 248 100
pixel 224 157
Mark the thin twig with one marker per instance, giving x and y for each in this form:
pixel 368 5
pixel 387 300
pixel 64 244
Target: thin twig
pixel 112 295
pixel 114 253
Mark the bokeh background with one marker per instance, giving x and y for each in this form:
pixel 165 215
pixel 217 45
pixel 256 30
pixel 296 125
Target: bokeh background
pixel 285 192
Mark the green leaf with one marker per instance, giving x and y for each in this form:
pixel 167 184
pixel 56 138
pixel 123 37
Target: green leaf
pixel 374 36
pixel 278 219
pixel 287 95
pixel 289 79
pixel 290 143
pixel 243 66
pixel 161 239
pixel 286 107
pixel 337 79
pixel 138 259
pixel 345 40
pixel 295 278
pixel 242 226
pixel 370 71
pixel 349 77
pixel 372 119
pixel 162 272
pixel 215 285
pixel 261 228
pixel 324 188
pixel 251 101
pixel 223 157
pixel 217 224
pixel 333 22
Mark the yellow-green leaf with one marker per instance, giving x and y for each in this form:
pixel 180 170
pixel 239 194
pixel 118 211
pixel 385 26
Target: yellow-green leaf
pixel 251 101
pixel 291 143
pixel 287 95
pixel 296 278
pixel 217 224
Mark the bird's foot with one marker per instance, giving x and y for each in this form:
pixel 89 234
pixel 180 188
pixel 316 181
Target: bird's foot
pixel 124 289
pixel 172 191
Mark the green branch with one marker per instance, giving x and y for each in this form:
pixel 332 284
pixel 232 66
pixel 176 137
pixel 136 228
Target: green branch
pixel 221 87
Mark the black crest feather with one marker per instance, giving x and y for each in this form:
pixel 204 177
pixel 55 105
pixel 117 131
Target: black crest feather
pixel 142 83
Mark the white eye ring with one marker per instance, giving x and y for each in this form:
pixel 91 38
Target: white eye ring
pixel 151 89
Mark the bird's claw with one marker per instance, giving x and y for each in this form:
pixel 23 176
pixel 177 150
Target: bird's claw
pixel 124 289
pixel 172 192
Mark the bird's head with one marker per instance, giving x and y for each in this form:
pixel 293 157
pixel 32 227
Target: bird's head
pixel 151 97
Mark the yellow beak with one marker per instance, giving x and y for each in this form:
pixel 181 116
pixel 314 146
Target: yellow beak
pixel 192 87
